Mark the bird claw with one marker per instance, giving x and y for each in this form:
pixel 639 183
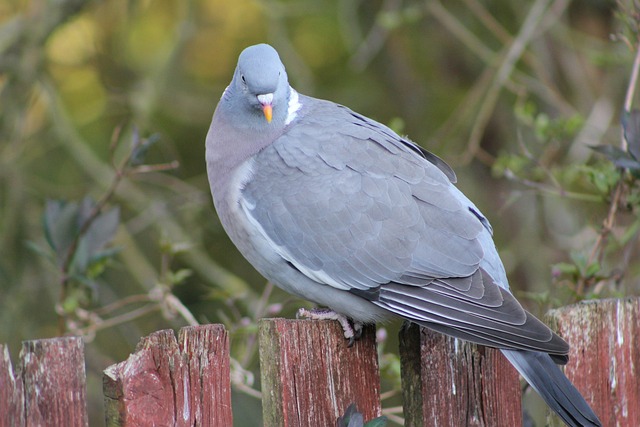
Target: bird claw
pixel 352 330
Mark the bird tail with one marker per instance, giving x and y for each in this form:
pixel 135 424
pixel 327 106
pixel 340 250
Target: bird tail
pixel 553 386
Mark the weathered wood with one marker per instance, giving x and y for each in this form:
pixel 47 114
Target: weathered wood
pixel 605 356
pixel 54 381
pixel 11 392
pixel 166 383
pixel 207 354
pixel 449 382
pixel 310 375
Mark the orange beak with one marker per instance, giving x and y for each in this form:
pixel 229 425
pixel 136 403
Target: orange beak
pixel 268 112
pixel 266 100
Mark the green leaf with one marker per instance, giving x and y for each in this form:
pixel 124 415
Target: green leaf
pixel 98 262
pixel 631 128
pixel 101 231
pixel 630 232
pixel 177 277
pixel 565 268
pixel 579 259
pixel 592 269
pixel 140 147
pixel 617 156
pixel 351 418
pixel 43 252
pixel 60 226
pixel 377 422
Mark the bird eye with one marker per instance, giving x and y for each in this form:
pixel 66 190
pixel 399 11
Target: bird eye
pixel 243 79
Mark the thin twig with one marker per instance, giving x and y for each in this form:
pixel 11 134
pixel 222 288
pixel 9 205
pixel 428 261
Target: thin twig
pixel 513 54
pixel 460 31
pixel 375 39
pixel 174 303
pixel 247 390
pixel 132 299
pixel 633 80
pixel 488 20
pixel 389 394
pixel 117 320
pixel 555 191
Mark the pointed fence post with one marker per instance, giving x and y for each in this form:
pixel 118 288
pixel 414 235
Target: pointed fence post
pixel 169 382
pixel 604 360
pixel 448 382
pixel 310 375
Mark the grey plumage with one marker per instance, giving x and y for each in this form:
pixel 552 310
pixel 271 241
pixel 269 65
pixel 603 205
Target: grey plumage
pixel 340 210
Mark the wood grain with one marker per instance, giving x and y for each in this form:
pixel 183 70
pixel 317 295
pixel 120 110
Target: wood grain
pixel 310 375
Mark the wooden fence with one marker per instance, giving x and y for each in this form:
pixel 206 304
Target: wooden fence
pixel 310 376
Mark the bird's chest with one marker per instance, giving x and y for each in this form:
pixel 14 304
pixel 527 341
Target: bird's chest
pixel 234 212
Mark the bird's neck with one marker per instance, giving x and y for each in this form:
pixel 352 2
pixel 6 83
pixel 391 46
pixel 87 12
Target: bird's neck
pixel 228 146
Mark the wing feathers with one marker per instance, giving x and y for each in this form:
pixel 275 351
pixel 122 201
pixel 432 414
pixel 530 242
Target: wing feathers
pixel 478 309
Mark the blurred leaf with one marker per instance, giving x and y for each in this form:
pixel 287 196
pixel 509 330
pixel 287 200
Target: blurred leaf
pixel 630 232
pixel 377 422
pixel 619 157
pixel 540 298
pixel 177 277
pixel 564 268
pixel 603 178
pixel 631 128
pixel 102 231
pixel 592 269
pixel 353 418
pixel 579 259
pixel 60 226
pixel 91 244
pixel 70 303
pixel 584 268
pixel 99 262
pixel 64 220
pixel 76 297
pixel 140 147
pixel 47 254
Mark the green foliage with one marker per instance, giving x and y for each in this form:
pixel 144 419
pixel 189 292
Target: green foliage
pixel 546 128
pixel 629 157
pixel 580 267
pixel 79 237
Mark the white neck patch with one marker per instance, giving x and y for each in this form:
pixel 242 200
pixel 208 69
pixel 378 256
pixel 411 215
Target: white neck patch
pixel 294 106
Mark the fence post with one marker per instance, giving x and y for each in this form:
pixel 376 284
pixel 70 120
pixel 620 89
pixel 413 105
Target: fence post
pixel 310 376
pixel 166 383
pixel 605 356
pixel 449 382
pixel 11 392
pixel 49 386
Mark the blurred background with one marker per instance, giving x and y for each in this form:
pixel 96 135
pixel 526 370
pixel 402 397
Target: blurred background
pixel 107 228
